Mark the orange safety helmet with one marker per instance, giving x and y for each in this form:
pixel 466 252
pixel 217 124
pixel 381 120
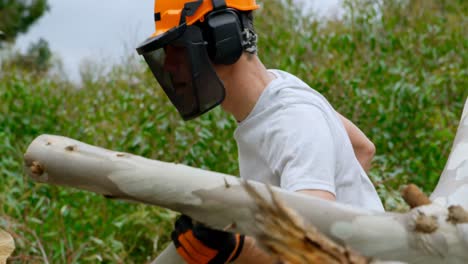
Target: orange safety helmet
pixel 191 37
pixel 167 13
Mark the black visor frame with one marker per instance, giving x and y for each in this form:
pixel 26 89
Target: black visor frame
pixel 202 90
pixel 158 42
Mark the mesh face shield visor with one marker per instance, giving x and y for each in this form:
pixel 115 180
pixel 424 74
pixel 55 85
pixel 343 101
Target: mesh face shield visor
pixel 180 62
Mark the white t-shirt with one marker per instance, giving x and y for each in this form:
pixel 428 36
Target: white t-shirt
pixel 294 139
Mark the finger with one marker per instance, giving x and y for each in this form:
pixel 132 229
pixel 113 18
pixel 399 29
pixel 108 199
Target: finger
pixel 199 246
pixel 175 238
pixel 196 250
pixel 202 231
pixel 210 237
pixel 183 224
pixel 183 253
pixel 239 245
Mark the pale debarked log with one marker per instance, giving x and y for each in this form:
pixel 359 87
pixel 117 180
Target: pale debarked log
pixel 7 246
pixel 434 233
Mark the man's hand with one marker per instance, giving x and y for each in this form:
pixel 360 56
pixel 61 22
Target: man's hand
pixel 198 244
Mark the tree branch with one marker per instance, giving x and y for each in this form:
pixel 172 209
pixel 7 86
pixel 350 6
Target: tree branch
pixel 452 188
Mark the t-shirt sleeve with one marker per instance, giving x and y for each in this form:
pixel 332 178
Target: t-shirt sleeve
pixel 301 149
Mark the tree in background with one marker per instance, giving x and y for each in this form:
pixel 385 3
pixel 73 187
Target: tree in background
pixel 37 58
pixel 17 16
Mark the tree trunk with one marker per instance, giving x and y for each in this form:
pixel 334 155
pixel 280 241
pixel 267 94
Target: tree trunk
pixel 434 233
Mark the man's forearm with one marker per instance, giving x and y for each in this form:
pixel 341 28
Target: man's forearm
pixel 252 254
pixel 364 149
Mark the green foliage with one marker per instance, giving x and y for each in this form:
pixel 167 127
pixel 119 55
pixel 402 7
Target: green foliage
pixel 398 70
pixel 37 59
pixel 16 16
pixel 120 111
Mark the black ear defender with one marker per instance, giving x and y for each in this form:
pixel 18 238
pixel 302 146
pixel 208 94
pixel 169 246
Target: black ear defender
pixel 224 34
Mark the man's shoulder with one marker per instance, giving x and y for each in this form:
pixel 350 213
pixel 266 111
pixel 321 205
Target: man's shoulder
pixel 289 89
pixel 288 77
pixel 286 100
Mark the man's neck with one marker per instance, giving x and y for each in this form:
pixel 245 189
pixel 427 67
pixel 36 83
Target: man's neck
pixel 244 83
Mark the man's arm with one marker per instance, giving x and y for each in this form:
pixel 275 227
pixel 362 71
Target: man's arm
pixel 363 148
pixel 300 157
pixel 252 254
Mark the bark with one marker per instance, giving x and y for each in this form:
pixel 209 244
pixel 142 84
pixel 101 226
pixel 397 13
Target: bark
pixel 434 233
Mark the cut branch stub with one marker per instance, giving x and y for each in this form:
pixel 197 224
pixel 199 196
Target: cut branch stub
pixel 37 168
pixel 426 224
pixel 414 197
pixel 457 215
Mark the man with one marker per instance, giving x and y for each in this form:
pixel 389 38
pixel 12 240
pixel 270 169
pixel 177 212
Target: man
pixel 203 54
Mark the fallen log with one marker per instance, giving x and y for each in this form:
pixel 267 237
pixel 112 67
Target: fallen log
pixel 7 246
pixel 433 233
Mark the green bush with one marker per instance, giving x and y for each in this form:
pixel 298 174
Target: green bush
pixel 398 70
pixel 37 59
